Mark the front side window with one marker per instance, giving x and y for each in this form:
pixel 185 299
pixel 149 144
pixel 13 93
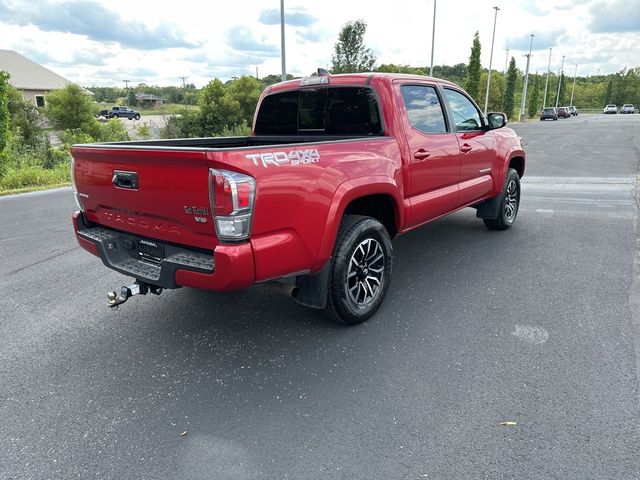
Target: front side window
pixel 465 115
pixel 423 108
pixel 320 111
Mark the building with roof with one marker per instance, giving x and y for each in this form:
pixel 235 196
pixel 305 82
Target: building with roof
pixel 149 99
pixel 32 80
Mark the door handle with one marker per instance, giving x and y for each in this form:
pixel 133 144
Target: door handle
pixel 466 148
pixel 421 154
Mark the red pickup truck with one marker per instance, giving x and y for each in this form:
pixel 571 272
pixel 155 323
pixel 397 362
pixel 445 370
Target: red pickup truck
pixel 335 167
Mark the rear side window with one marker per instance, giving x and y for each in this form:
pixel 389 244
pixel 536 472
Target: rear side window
pixel 330 111
pixel 423 108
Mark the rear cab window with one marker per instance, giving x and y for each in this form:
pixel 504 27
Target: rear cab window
pixel 320 111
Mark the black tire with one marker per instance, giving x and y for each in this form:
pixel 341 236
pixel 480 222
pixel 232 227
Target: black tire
pixel 137 117
pixel 509 203
pixel 361 260
pixel 115 115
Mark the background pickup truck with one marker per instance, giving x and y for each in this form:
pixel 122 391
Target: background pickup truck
pixel 335 167
pixel 117 112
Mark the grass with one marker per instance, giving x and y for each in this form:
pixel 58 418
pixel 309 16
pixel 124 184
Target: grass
pixel 168 109
pixel 15 191
pixel 25 178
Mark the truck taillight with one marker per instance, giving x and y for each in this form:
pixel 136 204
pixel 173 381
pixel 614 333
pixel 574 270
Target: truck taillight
pixel 232 196
pixel 73 185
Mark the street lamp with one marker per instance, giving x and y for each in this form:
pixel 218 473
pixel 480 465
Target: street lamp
pixel 526 81
pixel 574 85
pixel 486 97
pixel 559 82
pixel 433 37
pixel 546 85
pixel 282 54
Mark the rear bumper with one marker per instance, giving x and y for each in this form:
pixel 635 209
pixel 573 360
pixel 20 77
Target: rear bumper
pixel 228 267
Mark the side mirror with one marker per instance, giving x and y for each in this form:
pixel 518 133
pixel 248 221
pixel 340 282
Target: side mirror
pixel 496 120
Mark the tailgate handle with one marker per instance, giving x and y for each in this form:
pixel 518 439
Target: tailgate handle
pixel 122 179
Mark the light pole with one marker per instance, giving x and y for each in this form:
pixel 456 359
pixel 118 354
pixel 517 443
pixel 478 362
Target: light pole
pixel 546 84
pixel 506 62
pixel 282 54
pixel 574 85
pixel 433 37
pixel 486 97
pixel 559 82
pixel 526 81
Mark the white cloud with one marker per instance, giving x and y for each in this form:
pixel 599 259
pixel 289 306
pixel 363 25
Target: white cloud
pixel 400 34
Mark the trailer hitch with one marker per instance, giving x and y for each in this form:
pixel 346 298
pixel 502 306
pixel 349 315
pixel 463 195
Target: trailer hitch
pixel 126 292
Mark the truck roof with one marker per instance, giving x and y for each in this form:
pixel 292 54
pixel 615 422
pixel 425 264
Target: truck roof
pixel 358 79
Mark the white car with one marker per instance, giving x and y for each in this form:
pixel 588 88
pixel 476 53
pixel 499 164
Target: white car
pixel 628 108
pixel 611 108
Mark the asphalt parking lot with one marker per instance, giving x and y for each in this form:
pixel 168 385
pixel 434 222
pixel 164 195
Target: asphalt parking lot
pixel 538 325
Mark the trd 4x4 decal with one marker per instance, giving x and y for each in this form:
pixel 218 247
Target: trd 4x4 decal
pixel 293 158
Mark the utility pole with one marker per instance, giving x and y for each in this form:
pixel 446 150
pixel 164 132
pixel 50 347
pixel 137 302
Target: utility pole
pixel 546 84
pixel 184 85
pixel 526 81
pixel 257 77
pixel 559 82
pixel 433 37
pixel 126 83
pixel 282 53
pixel 574 85
pixel 486 97
pixel 506 62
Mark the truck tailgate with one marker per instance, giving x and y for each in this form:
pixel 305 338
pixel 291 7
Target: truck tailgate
pixel 160 194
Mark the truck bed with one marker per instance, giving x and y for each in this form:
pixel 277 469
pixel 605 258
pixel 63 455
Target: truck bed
pixel 226 143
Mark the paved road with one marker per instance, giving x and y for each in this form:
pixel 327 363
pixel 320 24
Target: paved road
pixel 539 325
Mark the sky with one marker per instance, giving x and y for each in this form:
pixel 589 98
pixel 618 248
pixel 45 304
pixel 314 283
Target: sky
pixel 102 43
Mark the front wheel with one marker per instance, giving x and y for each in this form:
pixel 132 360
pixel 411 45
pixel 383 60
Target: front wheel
pixel 137 117
pixel 509 204
pixel 360 269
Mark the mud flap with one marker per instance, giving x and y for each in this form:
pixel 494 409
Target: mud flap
pixel 489 209
pixel 311 290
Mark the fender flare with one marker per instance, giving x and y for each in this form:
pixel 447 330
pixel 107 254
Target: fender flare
pixel 352 190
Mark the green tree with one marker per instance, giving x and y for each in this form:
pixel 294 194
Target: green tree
pixel 534 98
pixel 71 109
pixel 560 93
pixel 4 116
pixel 496 90
pixel 132 101
pixel 472 85
pixel 24 119
pixel 246 91
pixel 350 53
pixel 608 93
pixel 217 109
pixel 508 98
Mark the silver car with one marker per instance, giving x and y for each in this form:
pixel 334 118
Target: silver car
pixel 628 108
pixel 611 108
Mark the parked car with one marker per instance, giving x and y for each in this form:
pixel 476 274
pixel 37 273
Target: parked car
pixel 573 110
pixel 563 112
pixel 119 112
pixel 628 108
pixel 611 108
pixel 549 113
pixel 357 159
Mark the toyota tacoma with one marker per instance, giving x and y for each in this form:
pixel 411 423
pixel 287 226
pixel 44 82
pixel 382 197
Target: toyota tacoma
pixel 334 168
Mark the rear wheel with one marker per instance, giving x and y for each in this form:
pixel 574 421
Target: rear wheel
pixel 137 117
pixel 509 204
pixel 360 270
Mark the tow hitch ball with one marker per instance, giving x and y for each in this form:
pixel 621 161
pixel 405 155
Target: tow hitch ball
pixel 129 291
